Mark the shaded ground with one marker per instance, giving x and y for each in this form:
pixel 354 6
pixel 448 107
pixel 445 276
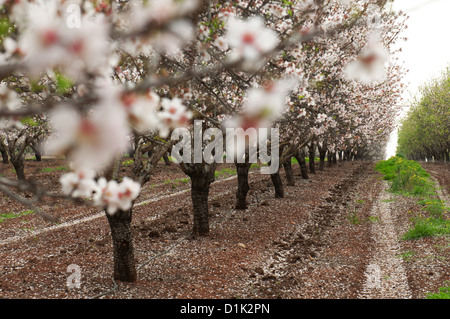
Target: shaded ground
pixel 314 243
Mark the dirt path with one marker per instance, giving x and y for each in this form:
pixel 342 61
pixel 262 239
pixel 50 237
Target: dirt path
pixel 327 254
pixel 386 276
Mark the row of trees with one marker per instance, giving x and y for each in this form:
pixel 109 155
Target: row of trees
pixel 424 133
pixel 97 76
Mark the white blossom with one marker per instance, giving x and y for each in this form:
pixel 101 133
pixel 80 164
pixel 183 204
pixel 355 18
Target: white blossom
pixel 173 114
pixel 221 43
pixel 370 64
pixel 78 184
pixel 250 38
pixel 114 196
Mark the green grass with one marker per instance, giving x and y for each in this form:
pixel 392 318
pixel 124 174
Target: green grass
pixel 175 182
pixel 11 215
pixel 54 169
pixel 316 159
pixel 225 171
pixel 444 292
pixel 427 227
pixel 406 177
pixel 407 255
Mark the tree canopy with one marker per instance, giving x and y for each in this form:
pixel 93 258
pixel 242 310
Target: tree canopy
pixel 424 133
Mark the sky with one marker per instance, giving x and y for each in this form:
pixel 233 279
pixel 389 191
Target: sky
pixel 427 51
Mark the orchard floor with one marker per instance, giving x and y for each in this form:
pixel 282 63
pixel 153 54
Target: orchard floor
pixel 317 242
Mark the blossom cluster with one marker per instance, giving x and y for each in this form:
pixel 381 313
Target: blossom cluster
pixel 111 195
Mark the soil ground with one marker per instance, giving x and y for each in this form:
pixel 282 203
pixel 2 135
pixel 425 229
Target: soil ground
pixel 318 242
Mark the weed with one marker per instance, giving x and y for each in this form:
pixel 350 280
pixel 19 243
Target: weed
pixel 128 162
pixel 407 255
pixel 373 219
pixel 436 207
pixel 353 218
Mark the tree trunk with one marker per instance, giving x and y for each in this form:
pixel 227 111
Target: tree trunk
pixel 19 167
pixel 124 263
pixel 199 195
pixel 166 159
pixel 300 157
pixel 289 173
pixel 330 159
pixel 5 158
pixel 312 156
pixel 347 156
pixel 38 156
pixel 278 184
pixel 36 147
pixel 322 155
pixel 243 187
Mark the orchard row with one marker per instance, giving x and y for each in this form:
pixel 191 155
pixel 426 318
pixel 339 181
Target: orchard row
pixel 323 73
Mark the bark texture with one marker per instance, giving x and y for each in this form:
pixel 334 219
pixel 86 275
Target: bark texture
pixel 289 173
pixel 124 263
pixel 243 186
pixel 5 157
pixel 202 175
pixel 312 156
pixel 278 184
pixel 300 157
pixel 19 167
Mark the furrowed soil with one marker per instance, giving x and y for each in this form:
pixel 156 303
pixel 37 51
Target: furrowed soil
pixel 336 235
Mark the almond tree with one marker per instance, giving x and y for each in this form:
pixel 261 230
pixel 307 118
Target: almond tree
pixel 112 70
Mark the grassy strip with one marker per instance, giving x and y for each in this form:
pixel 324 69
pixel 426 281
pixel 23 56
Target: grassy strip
pixel 408 178
pixel 4 217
